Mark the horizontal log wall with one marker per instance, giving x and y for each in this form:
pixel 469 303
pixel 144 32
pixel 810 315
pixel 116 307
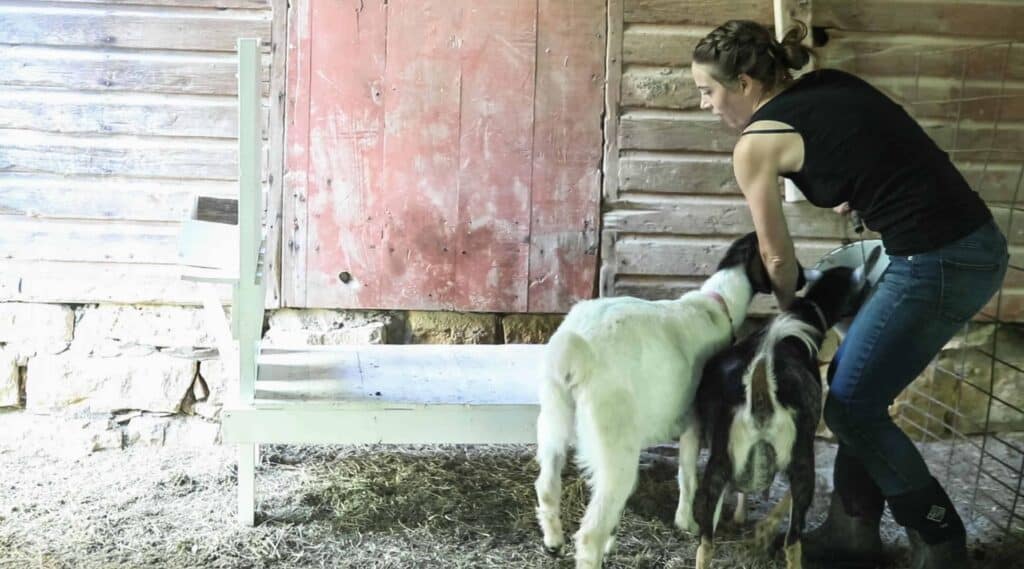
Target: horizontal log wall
pixel 113 114
pixel 672 202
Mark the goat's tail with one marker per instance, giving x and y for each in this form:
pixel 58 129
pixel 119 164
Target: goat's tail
pixel 569 359
pixel 567 363
pixel 759 383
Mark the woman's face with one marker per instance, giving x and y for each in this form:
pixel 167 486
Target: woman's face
pixel 734 104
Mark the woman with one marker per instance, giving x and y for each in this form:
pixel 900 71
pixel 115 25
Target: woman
pixel 847 146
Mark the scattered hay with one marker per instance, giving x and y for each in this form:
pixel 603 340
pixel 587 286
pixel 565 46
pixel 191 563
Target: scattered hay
pixel 358 507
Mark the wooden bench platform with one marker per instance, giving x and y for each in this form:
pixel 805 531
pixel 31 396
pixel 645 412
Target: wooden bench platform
pixel 402 394
pixel 392 394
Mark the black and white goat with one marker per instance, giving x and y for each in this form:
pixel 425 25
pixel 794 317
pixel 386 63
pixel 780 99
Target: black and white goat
pixel 759 404
pixel 621 374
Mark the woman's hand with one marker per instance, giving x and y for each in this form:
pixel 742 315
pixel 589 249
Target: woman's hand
pixel 842 209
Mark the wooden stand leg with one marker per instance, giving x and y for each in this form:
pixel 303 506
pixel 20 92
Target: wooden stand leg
pixel 247 484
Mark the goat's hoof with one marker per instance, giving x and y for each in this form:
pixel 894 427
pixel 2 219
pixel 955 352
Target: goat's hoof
pixel 687 524
pixel 704 553
pixel 554 547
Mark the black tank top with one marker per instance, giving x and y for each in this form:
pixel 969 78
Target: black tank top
pixel 861 147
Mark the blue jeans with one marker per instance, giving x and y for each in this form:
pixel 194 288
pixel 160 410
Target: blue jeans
pixel 919 304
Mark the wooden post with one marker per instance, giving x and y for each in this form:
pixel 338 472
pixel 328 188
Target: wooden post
pixel 249 321
pixel 250 292
pixel 275 142
pixel 788 10
pixel 247 484
pixel 612 96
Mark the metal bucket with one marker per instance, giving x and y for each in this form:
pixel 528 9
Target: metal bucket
pixel 853 256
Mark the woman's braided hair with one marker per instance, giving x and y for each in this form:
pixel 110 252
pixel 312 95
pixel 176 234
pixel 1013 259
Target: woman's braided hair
pixel 743 46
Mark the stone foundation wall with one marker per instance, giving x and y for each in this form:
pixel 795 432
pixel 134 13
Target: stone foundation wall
pixel 123 375
pixel 150 375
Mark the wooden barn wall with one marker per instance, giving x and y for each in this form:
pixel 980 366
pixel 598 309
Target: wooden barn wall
pixel 671 202
pixel 113 114
pixel 671 205
pixel 443 154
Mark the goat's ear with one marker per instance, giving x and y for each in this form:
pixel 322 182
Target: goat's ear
pixel 758 273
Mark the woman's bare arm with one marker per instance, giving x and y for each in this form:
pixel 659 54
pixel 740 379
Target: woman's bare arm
pixel 756 164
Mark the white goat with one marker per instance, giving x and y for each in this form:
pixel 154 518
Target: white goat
pixel 622 374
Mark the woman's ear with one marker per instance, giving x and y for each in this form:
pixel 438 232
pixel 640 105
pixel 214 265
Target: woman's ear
pixel 745 82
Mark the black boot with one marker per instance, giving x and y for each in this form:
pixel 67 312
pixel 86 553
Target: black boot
pixel 848 538
pixel 936 532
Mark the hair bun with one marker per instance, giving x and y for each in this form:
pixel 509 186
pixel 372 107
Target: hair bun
pixel 796 53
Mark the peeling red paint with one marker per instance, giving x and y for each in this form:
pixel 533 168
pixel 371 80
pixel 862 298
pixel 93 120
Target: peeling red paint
pixel 417 164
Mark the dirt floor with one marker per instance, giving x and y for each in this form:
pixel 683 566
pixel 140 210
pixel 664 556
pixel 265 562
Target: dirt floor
pixel 399 507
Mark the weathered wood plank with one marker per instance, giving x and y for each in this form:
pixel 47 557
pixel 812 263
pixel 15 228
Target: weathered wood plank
pixel 671 46
pixel 612 100
pixel 712 174
pixel 672 130
pixel 660 130
pixel 697 12
pixel 295 183
pixel 996 182
pixel 678 173
pixel 909 55
pixel 977 18
pixel 189 158
pixel 276 149
pixel 336 214
pixel 202 73
pixel 659 87
pixel 248 4
pixel 119 113
pixel 426 74
pixel 704 215
pixel 717 216
pixel 93 282
pixel 673 255
pixel 951 98
pixel 142 27
pixel 492 250
pixel 27 239
pixel 979 137
pixel 663 288
pixel 926 97
pixel 567 154
pixel 46 196
pixel 1015 233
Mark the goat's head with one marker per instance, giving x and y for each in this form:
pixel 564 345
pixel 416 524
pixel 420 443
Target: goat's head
pixel 746 252
pixel 840 291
